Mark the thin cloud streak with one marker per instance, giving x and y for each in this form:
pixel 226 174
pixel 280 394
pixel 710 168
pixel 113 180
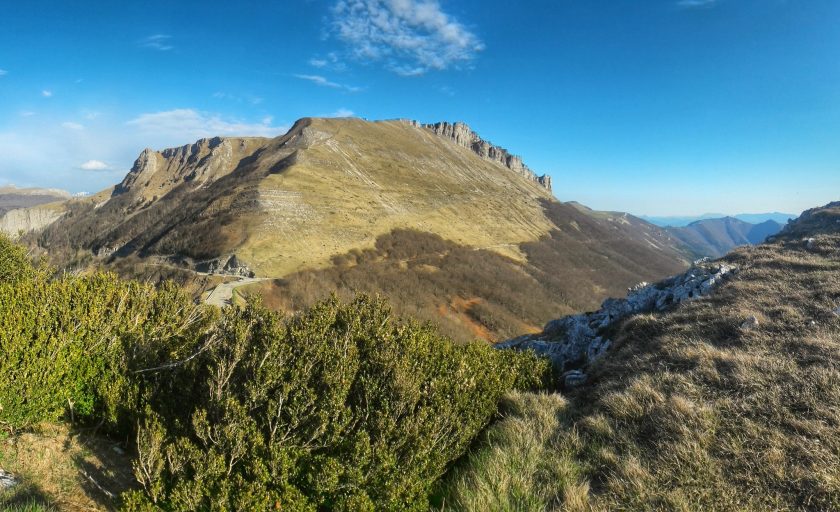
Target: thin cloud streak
pixel 323 82
pixel 696 4
pixel 158 42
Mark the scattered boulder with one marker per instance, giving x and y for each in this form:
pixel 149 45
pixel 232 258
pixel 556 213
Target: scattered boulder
pixel 7 480
pixel 574 379
pixel 574 341
pixel 837 311
pixel 229 266
pixel 750 323
pixel 810 244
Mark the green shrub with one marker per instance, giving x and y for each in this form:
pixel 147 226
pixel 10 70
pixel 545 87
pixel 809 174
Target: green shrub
pixel 74 344
pixel 343 408
pixel 14 263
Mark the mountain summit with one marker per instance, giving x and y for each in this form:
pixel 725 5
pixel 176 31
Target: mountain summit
pixel 348 204
pixel 323 188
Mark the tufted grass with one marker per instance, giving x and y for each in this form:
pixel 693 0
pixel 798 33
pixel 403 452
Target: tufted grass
pixel 689 411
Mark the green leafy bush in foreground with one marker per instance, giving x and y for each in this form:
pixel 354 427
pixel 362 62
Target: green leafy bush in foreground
pixel 341 408
pixel 72 344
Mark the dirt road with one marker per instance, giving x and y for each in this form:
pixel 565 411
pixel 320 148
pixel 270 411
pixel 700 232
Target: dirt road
pixel 221 295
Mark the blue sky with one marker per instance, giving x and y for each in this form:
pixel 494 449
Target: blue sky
pixel 659 107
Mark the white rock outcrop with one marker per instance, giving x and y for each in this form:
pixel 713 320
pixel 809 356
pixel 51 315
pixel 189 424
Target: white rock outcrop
pixel 574 341
pixel 24 220
pixel 7 480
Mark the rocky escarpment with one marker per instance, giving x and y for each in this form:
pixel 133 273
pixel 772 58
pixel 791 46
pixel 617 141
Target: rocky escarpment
pixel 461 134
pixel 155 173
pixel 574 341
pixel 24 220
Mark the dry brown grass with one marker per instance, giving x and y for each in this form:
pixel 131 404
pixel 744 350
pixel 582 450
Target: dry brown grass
pixel 477 293
pixel 61 470
pixel 691 411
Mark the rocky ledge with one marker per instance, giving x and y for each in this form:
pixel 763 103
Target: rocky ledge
pixel 228 265
pixel 461 134
pixel 574 341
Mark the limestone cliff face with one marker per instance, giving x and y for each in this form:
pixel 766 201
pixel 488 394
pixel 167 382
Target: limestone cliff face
pixel 461 134
pixel 157 172
pixel 24 220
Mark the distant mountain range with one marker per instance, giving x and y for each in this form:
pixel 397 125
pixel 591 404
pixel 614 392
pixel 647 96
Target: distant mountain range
pixel 12 198
pixel 716 237
pixel 752 218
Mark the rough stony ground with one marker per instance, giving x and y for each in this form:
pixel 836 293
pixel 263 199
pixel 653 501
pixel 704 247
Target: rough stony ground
pixel 575 341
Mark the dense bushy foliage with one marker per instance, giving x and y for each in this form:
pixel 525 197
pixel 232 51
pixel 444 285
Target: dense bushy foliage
pixel 343 407
pixel 14 263
pixel 73 343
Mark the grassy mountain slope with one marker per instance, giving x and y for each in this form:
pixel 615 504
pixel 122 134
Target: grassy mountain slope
pixel 716 237
pixel 315 207
pixel 327 186
pixel 692 409
pixel 473 292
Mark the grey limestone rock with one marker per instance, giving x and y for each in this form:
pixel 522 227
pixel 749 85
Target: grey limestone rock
pixel 461 134
pixel 750 323
pixel 574 379
pixel 7 480
pixel 230 266
pixel 574 341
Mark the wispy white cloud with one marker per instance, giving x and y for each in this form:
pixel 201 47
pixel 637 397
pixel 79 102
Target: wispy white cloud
pixel 187 125
pixel 72 126
pixel 3 72
pixel 95 165
pixel 411 37
pixel 342 112
pixel 160 42
pixel 330 61
pixel 47 94
pixel 27 113
pixel 323 82
pixel 248 98
pixel 696 4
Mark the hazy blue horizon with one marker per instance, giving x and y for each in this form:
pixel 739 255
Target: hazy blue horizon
pixel 660 108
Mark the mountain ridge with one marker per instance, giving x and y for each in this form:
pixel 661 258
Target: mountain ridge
pixel 716 237
pixel 294 207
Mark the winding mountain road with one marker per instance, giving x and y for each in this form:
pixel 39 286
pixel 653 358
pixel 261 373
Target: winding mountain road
pixel 222 294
